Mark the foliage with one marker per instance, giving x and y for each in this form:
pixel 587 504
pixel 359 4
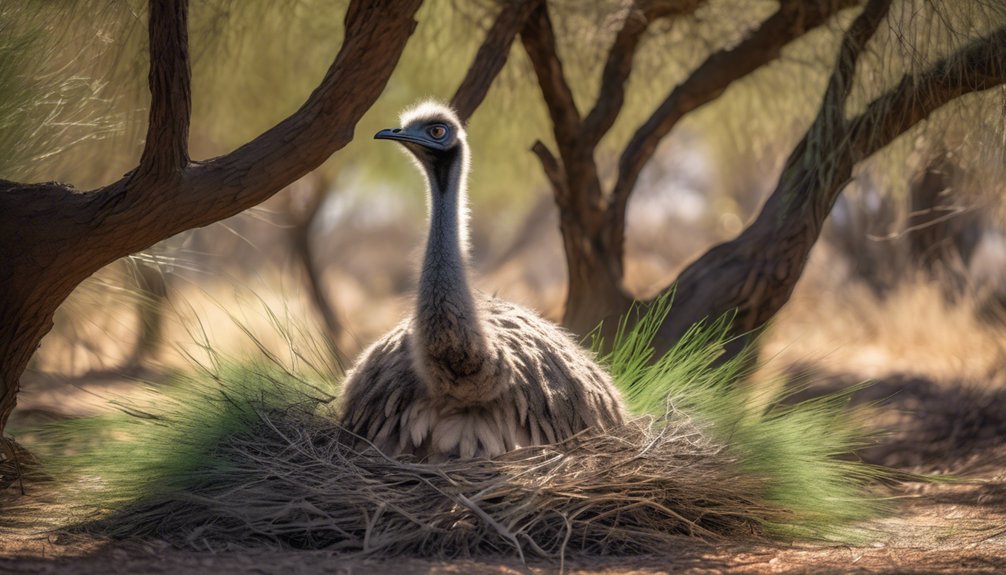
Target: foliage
pixel 51 99
pixel 139 454
pixel 802 449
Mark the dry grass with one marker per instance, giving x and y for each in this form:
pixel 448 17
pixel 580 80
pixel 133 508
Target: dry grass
pixel 842 327
pixel 100 323
pixel 292 482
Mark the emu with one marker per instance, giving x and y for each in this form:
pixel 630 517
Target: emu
pixel 468 375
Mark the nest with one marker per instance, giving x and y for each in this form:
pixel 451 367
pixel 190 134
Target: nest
pixel 297 481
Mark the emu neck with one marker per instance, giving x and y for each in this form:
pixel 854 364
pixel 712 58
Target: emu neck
pixel 448 328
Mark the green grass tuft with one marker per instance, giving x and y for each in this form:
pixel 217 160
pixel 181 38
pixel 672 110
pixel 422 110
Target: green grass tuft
pixel 151 448
pixel 804 449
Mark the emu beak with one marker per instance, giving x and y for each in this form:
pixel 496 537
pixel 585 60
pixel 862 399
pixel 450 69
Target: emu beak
pixel 389 134
pixel 409 136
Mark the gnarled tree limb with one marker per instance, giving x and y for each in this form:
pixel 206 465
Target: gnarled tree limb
pixel 492 56
pixel 793 19
pixel 980 66
pixel 53 237
pixel 755 273
pixel 552 169
pixel 539 42
pixel 618 66
pixel 167 145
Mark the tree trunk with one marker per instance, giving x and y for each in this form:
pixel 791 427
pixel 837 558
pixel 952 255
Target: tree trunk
pixel 303 207
pixel 41 268
pixel 595 294
pixel 153 289
pixel 592 222
pixel 754 275
pixel 593 256
pixel 52 237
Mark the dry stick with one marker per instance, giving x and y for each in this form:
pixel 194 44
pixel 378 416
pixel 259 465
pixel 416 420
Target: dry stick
pixel 565 541
pixel 951 213
pixel 503 531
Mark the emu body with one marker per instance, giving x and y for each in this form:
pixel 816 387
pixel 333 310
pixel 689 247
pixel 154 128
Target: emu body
pixel 467 376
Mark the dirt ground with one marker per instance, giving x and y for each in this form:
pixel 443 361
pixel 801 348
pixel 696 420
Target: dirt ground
pixel 953 527
pixel 947 529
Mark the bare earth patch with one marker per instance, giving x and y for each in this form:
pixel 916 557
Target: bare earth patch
pixel 942 529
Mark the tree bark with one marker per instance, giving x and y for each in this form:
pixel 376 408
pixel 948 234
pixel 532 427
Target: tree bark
pixel 754 275
pixel 52 237
pixel 593 221
pixel 594 268
pixel 492 56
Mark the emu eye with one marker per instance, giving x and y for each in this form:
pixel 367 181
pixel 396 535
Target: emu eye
pixel 437 132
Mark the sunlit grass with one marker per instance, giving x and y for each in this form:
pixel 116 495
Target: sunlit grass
pixel 805 449
pixel 143 452
pixel 165 439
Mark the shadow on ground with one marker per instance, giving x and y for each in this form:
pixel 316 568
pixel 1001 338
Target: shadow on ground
pixel 924 425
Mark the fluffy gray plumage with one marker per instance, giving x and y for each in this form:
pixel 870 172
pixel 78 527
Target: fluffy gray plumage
pixel 467 376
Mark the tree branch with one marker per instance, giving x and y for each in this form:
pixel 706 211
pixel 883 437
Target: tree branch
pixel 53 237
pixel 618 67
pixel 491 57
pixel 825 146
pixel 167 145
pixel 539 42
pixel 553 171
pixel 131 217
pixel 978 67
pixel 853 43
pixel 755 273
pixel 824 141
pixel 793 19
pixel 304 203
